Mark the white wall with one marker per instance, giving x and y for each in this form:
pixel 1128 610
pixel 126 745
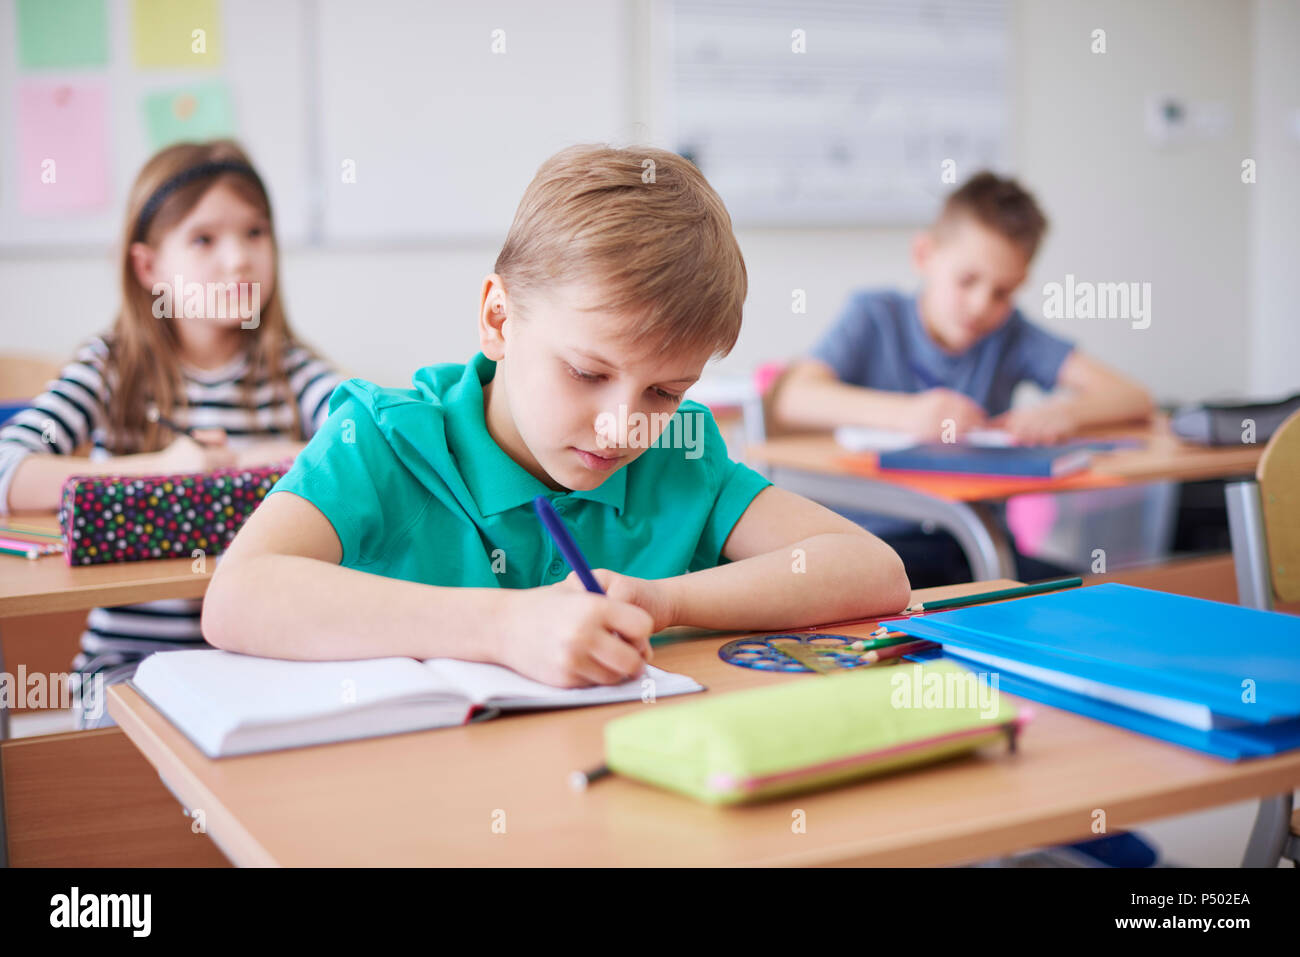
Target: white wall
pixel 1121 210
pixel 1275 222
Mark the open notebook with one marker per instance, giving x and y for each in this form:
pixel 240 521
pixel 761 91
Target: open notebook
pixel 240 704
pixel 857 438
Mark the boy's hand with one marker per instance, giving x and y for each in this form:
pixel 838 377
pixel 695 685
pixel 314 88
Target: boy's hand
pixel 930 412
pixel 649 594
pixel 1045 424
pixel 571 638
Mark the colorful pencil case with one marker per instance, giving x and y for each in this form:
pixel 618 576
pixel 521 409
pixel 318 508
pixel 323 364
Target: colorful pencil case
pixel 810 733
pixel 129 518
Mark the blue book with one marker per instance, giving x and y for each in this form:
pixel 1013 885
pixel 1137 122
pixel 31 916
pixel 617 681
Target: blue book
pixel 1198 663
pixel 1033 461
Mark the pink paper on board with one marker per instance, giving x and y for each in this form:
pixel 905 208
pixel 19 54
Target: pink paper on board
pixel 66 123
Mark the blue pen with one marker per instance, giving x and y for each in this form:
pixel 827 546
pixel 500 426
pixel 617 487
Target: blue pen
pixel 565 543
pixel 569 548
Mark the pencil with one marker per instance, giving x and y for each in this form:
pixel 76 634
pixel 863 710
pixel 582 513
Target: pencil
pixel 26 553
pixel 154 415
pixel 898 650
pixel 28 530
pixel 1017 592
pixel 888 638
pixel 580 780
pixel 41 548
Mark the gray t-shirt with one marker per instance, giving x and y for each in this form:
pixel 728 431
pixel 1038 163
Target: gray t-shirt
pixel 878 342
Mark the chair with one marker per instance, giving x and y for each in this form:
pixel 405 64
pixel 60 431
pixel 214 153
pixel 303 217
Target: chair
pixel 1264 520
pixel 22 377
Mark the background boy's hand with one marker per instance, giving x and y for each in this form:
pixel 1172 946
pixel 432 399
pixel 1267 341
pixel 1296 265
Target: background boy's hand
pixel 1045 424
pixel 648 594
pixel 571 638
pixel 930 411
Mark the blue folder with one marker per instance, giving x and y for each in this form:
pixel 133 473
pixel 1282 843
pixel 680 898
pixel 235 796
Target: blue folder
pixel 1251 741
pixel 1204 652
pixel 1034 461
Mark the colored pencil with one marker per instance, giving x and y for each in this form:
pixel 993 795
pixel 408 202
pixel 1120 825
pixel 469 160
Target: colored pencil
pixel 41 548
pixel 898 650
pixel 26 530
pixel 998 595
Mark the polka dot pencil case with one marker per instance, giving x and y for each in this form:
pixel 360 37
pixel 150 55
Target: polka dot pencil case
pixel 129 518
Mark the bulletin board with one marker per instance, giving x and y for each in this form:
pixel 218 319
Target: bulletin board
pixel 406 120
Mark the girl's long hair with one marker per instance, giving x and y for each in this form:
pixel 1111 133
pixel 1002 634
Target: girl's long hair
pixel 143 348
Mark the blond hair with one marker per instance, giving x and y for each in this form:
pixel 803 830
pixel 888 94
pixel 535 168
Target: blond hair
pixel 143 348
pixel 645 226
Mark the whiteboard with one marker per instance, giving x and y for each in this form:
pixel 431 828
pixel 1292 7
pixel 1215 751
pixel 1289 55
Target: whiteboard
pixel 853 130
pixel 265 56
pixel 444 133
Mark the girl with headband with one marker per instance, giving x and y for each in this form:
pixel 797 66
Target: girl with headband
pixel 199 371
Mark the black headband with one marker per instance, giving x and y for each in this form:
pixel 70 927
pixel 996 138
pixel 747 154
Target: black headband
pixel 184 178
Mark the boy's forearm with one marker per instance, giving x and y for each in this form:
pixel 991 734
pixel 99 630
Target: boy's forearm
pixel 832 577
pixel 819 404
pixel 1102 408
pixel 287 606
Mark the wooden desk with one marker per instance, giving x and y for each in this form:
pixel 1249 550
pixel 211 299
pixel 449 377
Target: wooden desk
pixel 47 585
pixel 814 465
pixel 429 798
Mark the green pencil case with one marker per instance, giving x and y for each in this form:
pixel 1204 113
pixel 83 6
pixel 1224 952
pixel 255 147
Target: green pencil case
pixel 810 733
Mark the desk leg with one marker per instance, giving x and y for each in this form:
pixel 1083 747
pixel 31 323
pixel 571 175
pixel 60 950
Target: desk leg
pixel 4 736
pixel 977 532
pixel 4 710
pixel 1249 545
pixel 1271 833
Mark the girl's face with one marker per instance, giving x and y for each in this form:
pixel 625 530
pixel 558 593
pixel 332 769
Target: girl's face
pixel 223 247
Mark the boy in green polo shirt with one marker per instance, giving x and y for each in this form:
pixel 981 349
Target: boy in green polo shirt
pixel 407 527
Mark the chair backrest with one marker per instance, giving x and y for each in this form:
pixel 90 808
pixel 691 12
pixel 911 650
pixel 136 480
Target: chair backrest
pixel 25 377
pixel 1278 475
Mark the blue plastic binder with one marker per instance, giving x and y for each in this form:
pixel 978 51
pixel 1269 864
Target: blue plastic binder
pixel 1239 663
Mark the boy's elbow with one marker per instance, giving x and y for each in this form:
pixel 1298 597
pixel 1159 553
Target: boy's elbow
pixel 893 590
pixel 217 620
pixel 897 589
pixel 1144 403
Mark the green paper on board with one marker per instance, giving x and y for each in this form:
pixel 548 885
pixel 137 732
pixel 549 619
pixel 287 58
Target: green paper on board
pixel 189 114
pixel 60 34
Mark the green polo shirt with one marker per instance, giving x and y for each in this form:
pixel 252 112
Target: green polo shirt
pixel 417 489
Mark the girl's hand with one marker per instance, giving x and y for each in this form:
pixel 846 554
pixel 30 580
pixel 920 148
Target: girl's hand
pixel 187 455
pixel 572 638
pixel 267 453
pixel 649 594
pixel 1044 424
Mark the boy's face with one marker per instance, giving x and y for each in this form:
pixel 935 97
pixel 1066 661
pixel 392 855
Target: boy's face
pixel 573 400
pixel 969 273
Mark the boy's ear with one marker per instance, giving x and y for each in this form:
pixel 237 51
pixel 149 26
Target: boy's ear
pixel 142 264
pixel 494 309
pixel 923 244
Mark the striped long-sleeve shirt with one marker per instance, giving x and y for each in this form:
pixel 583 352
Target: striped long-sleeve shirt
pixel 73 410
